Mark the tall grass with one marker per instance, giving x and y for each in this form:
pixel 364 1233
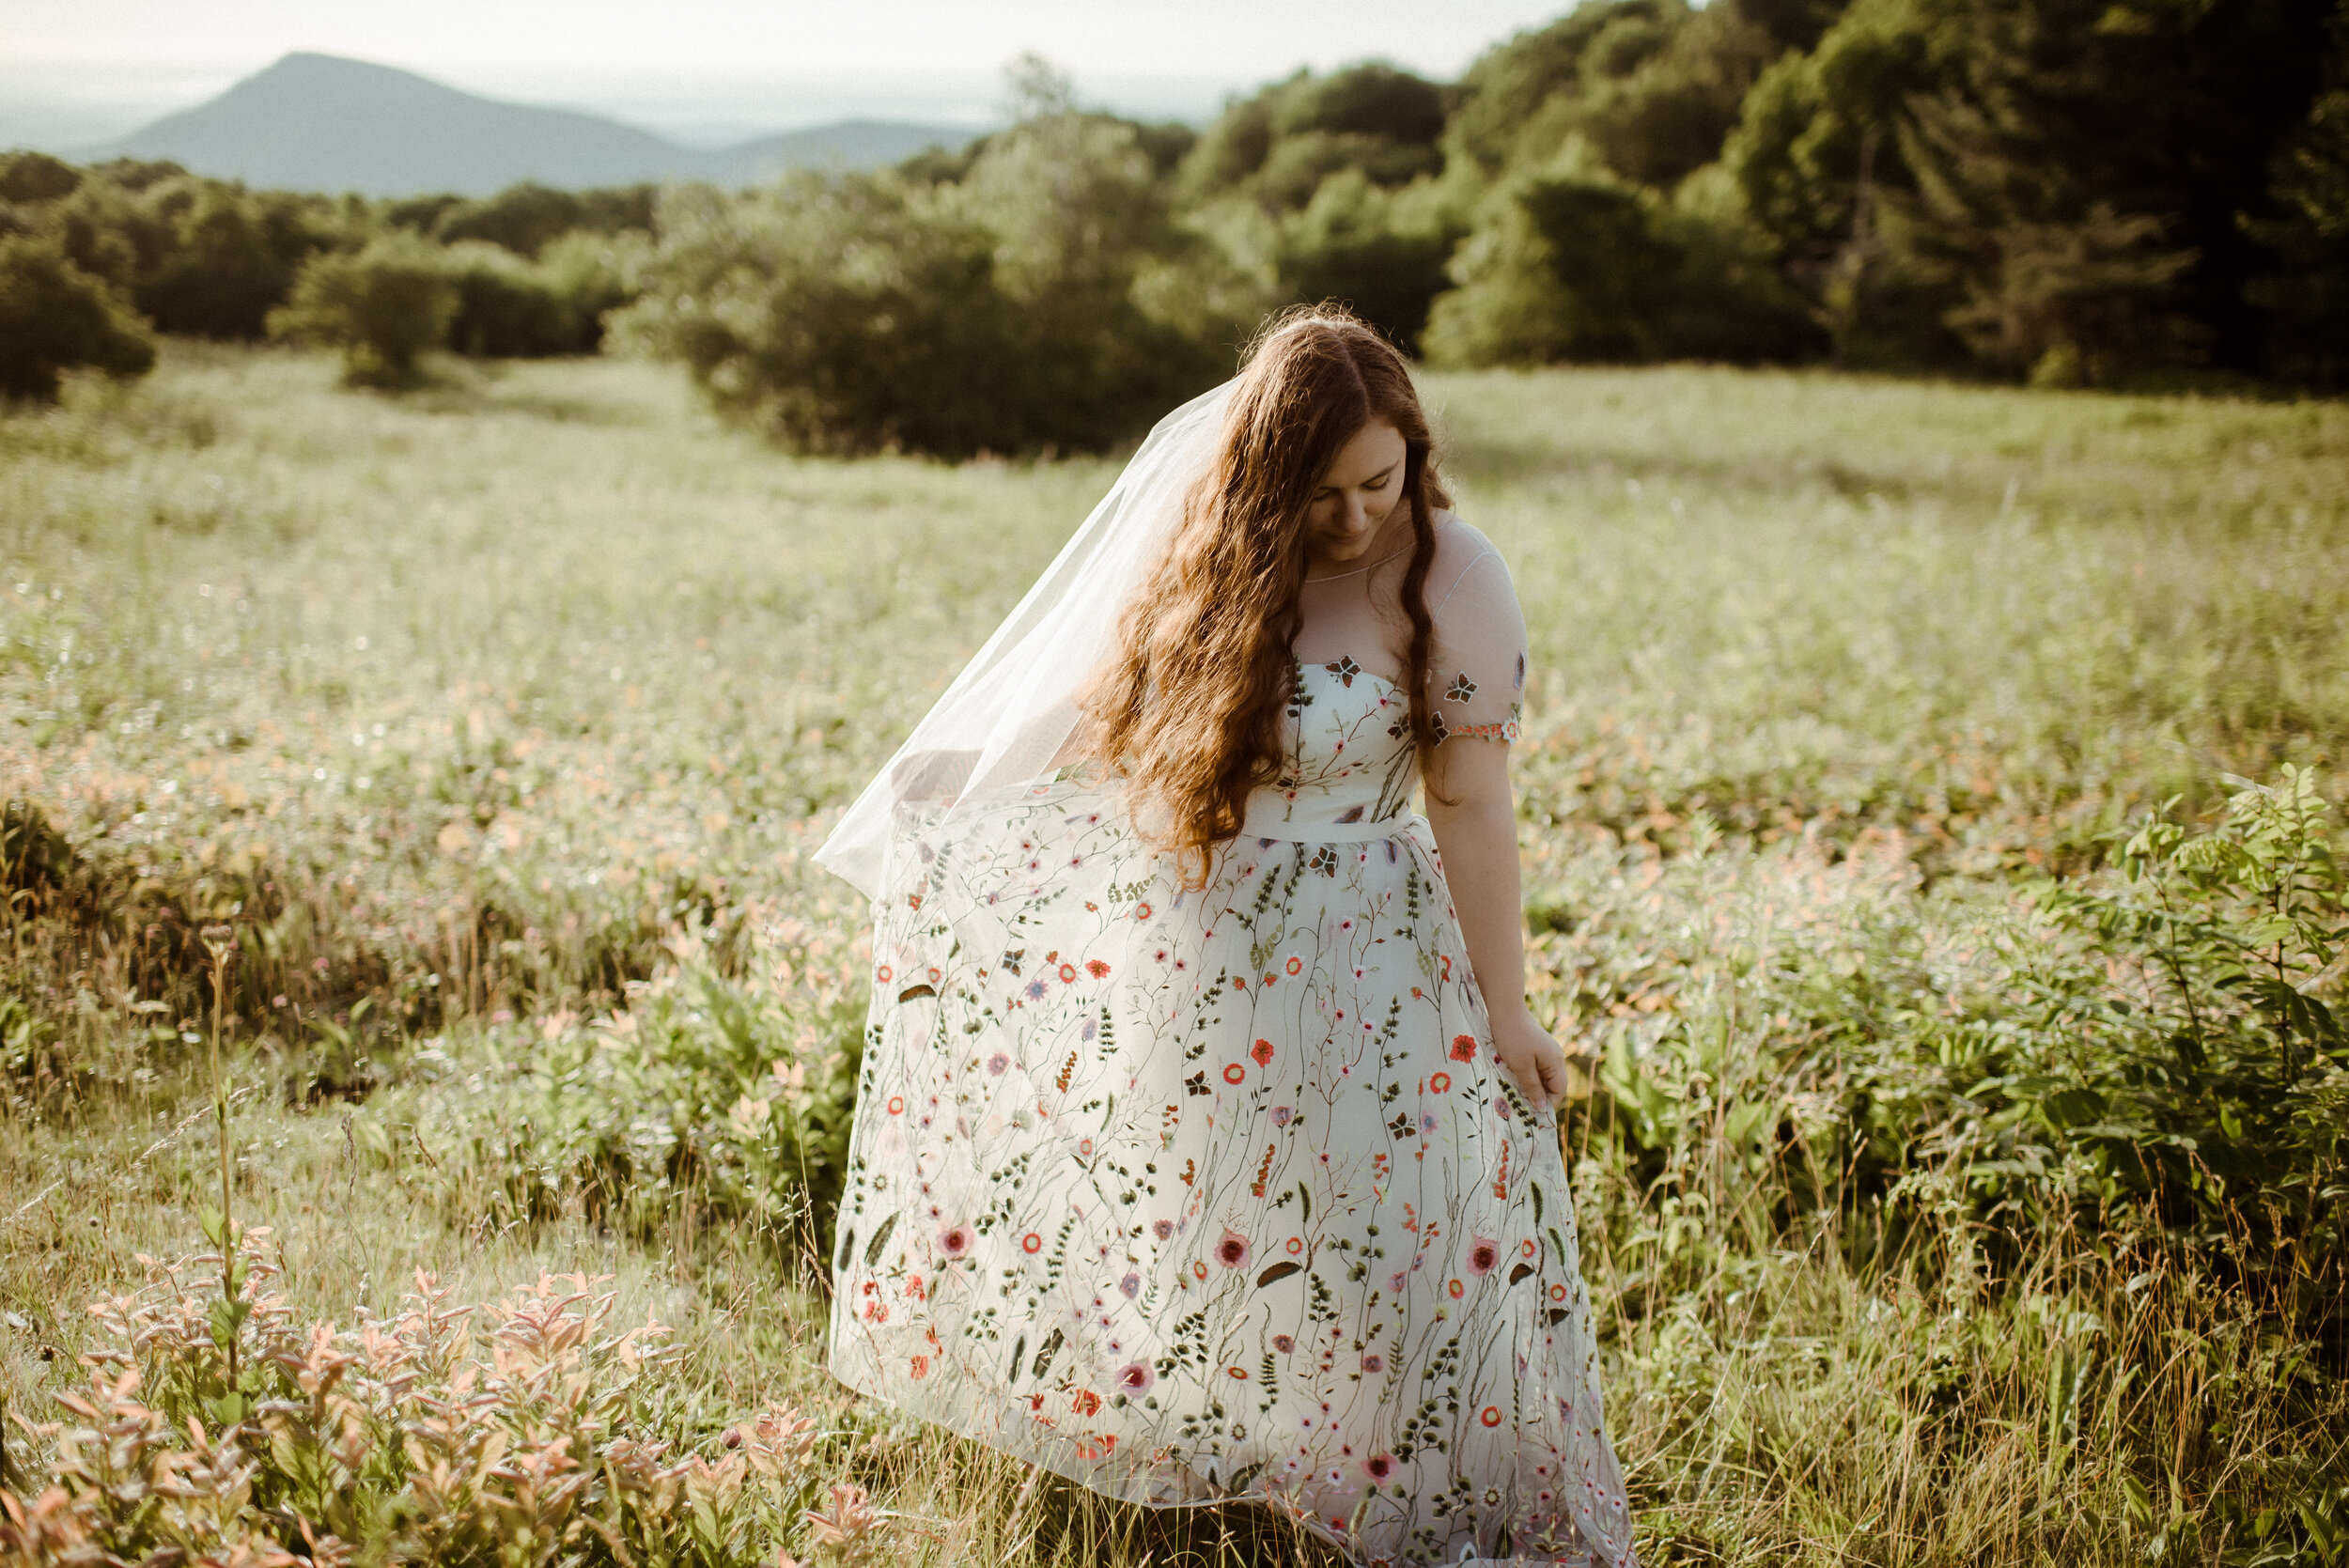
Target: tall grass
pixel 498 720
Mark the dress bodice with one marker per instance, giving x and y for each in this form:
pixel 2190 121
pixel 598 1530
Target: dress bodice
pixel 1349 765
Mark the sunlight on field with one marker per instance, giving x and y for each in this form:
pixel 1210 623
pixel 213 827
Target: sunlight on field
pixel 503 716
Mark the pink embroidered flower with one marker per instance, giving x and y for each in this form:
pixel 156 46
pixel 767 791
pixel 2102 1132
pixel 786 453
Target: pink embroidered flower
pixel 1281 1115
pixel 1283 1344
pixel 1135 1377
pixel 1483 1255
pixel 1374 1363
pixel 1231 1251
pixel 920 1367
pixel 1130 1286
pixel 1378 1467
pixel 1161 1228
pixel 954 1241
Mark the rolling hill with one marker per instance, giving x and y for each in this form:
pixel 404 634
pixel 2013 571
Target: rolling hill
pixel 318 122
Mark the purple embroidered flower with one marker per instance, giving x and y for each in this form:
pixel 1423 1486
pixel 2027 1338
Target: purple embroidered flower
pixel 1374 1362
pixel 998 1062
pixel 1163 1228
pixel 1283 1344
pixel 1281 1115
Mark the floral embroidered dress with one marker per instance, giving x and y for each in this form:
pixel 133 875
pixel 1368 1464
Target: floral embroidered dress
pixel 1194 1195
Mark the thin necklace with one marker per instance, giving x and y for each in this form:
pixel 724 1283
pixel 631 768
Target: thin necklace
pixel 1359 570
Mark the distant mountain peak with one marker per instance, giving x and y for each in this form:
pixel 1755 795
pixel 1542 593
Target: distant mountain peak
pixel 326 122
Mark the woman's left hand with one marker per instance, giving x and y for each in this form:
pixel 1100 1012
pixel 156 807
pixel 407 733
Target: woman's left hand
pixel 1538 1062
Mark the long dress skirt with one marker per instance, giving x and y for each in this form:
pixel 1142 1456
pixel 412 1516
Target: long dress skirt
pixel 1192 1195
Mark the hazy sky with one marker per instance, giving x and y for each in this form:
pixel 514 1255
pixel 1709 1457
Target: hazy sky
pixel 89 68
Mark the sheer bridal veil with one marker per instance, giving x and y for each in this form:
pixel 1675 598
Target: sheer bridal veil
pixel 1007 717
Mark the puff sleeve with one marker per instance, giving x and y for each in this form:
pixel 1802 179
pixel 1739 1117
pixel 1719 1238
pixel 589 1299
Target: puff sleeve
pixel 1477 676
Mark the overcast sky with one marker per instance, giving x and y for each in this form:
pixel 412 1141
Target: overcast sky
pixel 87 70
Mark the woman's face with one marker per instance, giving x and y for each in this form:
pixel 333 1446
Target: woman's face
pixel 1356 495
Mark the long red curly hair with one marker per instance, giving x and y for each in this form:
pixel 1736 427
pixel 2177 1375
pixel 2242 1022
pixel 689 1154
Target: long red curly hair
pixel 1188 711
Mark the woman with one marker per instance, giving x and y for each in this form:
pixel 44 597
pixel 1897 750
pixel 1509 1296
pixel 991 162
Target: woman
pixel 1204 1147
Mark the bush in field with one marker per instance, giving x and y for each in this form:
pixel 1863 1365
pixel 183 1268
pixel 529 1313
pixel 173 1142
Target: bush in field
pixel 595 273
pixel 225 257
pixel 506 308
pixel 1019 308
pixel 1576 266
pixel 54 317
pixel 383 307
pixel 839 316
pixel 532 1430
pixel 732 1094
pixel 36 177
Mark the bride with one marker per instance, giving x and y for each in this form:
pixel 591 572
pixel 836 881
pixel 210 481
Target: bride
pixel 1205 1146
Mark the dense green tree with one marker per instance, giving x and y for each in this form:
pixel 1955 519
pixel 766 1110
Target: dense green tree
pixel 1653 85
pixel 1277 147
pixel 54 317
pixel 2100 167
pixel 383 307
pixel 31 177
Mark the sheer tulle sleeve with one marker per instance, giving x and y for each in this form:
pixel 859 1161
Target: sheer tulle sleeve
pixel 1478 678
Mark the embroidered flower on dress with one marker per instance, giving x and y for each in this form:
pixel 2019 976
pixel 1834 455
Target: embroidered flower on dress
pixel 1231 1251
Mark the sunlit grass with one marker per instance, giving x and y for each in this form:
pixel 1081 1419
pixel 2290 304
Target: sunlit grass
pixel 463 702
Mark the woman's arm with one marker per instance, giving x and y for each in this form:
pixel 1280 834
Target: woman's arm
pixel 1477 833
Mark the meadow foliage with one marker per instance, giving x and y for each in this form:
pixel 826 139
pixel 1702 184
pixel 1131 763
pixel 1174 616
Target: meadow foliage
pixel 1960 1166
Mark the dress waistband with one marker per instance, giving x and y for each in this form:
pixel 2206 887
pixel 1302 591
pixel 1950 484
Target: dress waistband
pixel 1264 822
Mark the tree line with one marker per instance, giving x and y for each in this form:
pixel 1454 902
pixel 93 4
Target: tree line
pixel 2068 192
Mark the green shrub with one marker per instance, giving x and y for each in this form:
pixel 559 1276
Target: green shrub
pixel 1574 265
pixel 506 308
pixel 531 1432
pixel 383 307
pixel 1012 311
pixel 732 1095
pixel 54 317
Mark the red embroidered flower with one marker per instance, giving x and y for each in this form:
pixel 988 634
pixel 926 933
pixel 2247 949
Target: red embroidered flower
pixel 1234 1072
pixel 1262 1051
pixel 1295 965
pixel 1068 974
pixel 1464 1047
pixel 1491 1415
pixel 920 1368
pixel 1097 968
pixel 1456 1288
pixel 1135 1377
pixel 1032 1243
pixel 897 1105
pixel 1439 1082
pixel 1378 1467
pixel 1085 1401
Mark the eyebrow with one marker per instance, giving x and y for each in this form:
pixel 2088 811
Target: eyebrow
pixel 1380 474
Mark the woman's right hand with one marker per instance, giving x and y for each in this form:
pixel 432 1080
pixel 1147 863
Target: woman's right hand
pixel 1538 1062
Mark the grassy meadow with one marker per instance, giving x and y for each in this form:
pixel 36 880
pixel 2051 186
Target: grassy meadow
pixel 497 720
